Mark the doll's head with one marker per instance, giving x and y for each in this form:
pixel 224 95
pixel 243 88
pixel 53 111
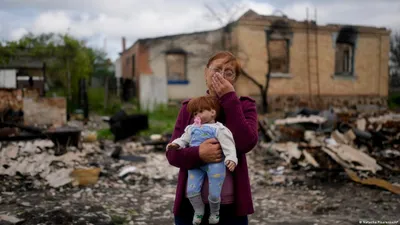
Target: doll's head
pixel 205 107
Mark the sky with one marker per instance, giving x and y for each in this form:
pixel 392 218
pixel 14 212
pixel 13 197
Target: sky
pixel 102 23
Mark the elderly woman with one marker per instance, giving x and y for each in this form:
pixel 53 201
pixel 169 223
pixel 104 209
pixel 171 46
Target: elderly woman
pixel 240 116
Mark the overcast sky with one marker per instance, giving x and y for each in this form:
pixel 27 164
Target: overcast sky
pixel 99 20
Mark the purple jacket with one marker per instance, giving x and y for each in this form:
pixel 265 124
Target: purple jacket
pixel 240 116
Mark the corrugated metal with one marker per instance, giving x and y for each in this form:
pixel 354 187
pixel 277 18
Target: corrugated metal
pixel 8 78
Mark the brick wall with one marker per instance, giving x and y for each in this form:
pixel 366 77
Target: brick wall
pixel 141 62
pixel 311 69
pixel 10 99
pixel 45 111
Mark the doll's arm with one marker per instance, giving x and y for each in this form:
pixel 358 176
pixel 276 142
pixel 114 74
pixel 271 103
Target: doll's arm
pixel 184 140
pixel 225 138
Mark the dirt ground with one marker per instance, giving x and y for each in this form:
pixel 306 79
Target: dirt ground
pixel 320 199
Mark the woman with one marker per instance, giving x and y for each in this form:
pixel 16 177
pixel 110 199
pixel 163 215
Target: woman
pixel 240 116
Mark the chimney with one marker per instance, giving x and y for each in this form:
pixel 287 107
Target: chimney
pixel 123 44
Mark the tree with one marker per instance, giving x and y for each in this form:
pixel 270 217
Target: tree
pixel 226 14
pixel 395 60
pixel 67 58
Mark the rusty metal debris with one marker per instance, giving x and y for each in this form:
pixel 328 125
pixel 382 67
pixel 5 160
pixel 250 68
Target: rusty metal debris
pixel 346 141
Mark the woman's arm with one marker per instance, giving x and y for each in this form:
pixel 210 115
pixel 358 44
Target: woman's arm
pixel 241 119
pixel 186 158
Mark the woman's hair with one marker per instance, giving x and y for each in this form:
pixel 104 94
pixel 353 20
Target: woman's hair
pixel 230 58
pixel 207 102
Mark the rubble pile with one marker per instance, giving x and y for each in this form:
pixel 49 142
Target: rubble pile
pixel 36 163
pixel 37 159
pixel 366 146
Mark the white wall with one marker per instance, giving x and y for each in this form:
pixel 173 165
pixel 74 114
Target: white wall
pixel 153 91
pixel 199 47
pixel 8 78
pixel 118 68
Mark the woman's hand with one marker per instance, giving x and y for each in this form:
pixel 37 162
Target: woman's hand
pixel 220 85
pixel 210 151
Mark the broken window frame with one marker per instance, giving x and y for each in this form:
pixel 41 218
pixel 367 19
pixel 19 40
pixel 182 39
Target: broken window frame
pixel 352 42
pixel 276 34
pixel 184 79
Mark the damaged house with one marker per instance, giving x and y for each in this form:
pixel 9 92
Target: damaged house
pixel 310 65
pixel 22 94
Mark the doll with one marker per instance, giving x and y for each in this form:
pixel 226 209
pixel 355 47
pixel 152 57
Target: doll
pixel 205 109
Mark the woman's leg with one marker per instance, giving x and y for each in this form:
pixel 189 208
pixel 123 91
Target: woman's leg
pixel 182 221
pixel 227 216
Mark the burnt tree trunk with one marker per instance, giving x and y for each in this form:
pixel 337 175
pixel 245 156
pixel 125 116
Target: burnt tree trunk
pixel 263 90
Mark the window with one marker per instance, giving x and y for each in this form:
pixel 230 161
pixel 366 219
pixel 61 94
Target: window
pixel 279 56
pixel 344 59
pixel 279 36
pixel 176 67
pixel 345 44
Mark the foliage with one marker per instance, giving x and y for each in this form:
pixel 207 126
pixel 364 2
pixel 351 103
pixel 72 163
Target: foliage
pixel 63 55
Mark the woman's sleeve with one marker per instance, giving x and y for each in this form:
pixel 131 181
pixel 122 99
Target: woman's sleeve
pixel 241 119
pixel 186 158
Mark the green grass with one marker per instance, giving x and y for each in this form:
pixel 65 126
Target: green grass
pixel 161 120
pixel 96 102
pixel 104 134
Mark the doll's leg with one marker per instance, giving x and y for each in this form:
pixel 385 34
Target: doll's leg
pixel 194 183
pixel 216 177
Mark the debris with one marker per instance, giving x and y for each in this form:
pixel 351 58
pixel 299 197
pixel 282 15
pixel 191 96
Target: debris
pixel 124 126
pixel 59 178
pixel 132 158
pixel 288 150
pixel 90 137
pixel 362 124
pixel 127 170
pixel 85 177
pixel 301 119
pixel 339 137
pixel 349 157
pixel 116 154
pixel 336 140
pixel 11 219
pixel 373 181
pixel 310 159
pixel 155 137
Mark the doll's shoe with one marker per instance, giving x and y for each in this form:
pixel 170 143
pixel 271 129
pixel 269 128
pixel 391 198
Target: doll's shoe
pixel 214 219
pixel 197 219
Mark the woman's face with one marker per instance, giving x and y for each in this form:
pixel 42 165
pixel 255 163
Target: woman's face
pixel 227 70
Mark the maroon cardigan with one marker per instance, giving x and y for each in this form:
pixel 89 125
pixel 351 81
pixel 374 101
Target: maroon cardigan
pixel 240 116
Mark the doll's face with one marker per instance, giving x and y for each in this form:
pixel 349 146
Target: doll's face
pixel 206 116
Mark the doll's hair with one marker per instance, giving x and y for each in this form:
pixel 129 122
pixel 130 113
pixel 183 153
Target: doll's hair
pixel 203 103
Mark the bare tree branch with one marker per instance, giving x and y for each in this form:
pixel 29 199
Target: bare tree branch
pixel 229 13
pixel 214 14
